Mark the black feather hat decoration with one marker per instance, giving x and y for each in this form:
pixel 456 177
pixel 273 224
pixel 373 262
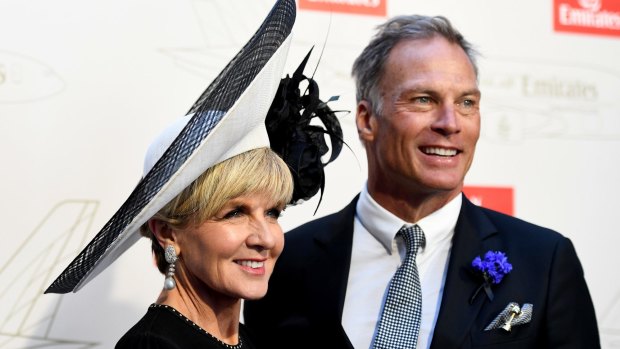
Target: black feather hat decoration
pixel 300 143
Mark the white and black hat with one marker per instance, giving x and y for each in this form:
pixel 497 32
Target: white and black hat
pixel 227 119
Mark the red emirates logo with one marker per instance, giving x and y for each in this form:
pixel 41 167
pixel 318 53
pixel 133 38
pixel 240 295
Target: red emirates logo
pixel 495 198
pixel 363 7
pixel 598 17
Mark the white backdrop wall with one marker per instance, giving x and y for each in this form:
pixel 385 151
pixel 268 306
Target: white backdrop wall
pixel 85 86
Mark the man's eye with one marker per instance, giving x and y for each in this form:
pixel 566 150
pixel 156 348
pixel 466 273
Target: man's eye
pixel 468 106
pixel 422 100
pixel 469 103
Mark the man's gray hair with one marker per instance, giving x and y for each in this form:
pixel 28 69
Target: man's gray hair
pixel 368 68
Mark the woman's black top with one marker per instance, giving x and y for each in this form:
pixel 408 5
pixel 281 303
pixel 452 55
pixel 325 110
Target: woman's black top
pixel 163 327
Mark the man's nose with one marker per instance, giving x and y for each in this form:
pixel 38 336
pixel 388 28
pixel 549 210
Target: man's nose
pixel 447 120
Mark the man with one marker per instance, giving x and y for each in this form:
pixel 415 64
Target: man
pixel 418 118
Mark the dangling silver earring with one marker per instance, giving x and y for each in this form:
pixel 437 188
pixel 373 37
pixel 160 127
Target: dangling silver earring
pixel 171 258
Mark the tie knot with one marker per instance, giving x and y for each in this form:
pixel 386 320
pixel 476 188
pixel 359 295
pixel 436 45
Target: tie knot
pixel 414 238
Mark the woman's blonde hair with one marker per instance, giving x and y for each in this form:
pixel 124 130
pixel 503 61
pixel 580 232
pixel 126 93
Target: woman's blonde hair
pixel 256 171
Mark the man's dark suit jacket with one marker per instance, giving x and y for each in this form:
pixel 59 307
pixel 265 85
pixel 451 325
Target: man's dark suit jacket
pixel 303 306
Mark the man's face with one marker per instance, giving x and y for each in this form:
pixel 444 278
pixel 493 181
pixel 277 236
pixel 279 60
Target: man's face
pixel 424 140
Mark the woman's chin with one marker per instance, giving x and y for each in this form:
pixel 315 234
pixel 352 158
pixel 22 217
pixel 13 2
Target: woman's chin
pixel 254 292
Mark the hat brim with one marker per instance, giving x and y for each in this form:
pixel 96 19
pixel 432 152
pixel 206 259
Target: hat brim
pixel 242 95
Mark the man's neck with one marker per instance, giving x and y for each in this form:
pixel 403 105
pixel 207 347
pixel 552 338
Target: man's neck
pixel 409 206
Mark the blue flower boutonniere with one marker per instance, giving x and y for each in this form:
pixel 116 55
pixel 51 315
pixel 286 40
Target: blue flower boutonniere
pixel 492 268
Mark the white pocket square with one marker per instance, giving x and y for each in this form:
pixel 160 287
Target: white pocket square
pixel 512 315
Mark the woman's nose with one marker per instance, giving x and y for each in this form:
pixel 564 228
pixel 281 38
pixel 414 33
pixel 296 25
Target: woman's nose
pixel 263 234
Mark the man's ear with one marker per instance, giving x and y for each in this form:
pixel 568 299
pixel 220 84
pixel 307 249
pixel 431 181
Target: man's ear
pixel 163 233
pixel 365 121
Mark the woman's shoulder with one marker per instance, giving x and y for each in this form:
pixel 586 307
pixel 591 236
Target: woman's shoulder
pixel 153 330
pixel 144 340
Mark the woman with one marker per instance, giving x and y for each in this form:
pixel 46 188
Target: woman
pixel 223 234
pixel 212 192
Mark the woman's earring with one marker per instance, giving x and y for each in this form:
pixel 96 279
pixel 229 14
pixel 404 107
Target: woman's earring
pixel 171 258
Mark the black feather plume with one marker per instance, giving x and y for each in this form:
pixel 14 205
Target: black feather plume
pixel 300 143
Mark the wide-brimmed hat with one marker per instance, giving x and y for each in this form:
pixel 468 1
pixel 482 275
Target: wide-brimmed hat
pixel 227 119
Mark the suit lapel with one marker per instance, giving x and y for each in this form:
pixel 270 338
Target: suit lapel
pixel 472 234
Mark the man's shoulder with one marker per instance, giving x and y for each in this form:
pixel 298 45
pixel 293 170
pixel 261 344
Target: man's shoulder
pixel 520 228
pixel 316 223
pixel 342 216
pixel 326 228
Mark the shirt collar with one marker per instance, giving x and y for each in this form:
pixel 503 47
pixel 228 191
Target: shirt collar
pixel 384 225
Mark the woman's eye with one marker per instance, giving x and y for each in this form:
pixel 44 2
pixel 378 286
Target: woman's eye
pixel 233 213
pixel 275 213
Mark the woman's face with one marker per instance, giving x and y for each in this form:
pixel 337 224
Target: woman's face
pixel 233 253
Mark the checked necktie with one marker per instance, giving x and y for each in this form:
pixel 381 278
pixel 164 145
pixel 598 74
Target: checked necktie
pixel 402 312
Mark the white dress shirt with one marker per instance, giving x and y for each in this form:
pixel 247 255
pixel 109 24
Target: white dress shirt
pixel 376 256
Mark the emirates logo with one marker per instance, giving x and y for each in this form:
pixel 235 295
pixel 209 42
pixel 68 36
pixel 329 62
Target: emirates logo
pixel 359 7
pixel 592 5
pixel 587 17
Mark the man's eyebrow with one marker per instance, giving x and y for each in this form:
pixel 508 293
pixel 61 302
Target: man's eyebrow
pixel 473 91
